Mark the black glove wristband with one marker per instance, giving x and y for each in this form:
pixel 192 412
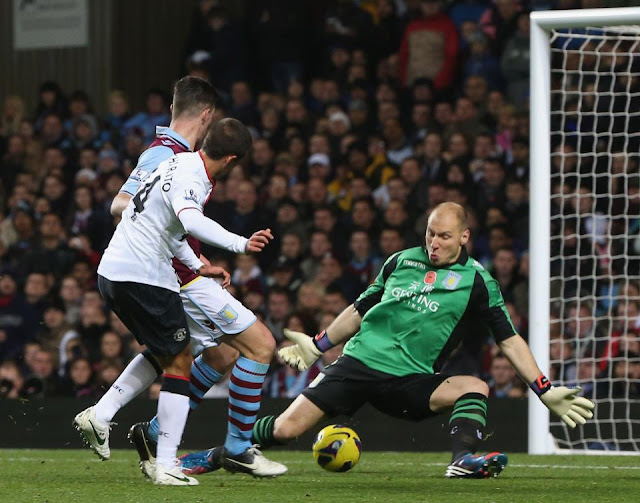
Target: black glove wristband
pixel 541 385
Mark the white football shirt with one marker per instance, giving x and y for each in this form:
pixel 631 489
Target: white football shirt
pixel 150 233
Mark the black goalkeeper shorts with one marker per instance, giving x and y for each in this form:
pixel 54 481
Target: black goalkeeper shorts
pixel 347 384
pixel 154 315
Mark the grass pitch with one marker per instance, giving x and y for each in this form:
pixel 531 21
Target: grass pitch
pixel 78 476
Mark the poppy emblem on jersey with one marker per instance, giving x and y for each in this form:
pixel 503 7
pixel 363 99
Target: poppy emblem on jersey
pixel 228 314
pixel 430 279
pixel 451 280
pixel 180 335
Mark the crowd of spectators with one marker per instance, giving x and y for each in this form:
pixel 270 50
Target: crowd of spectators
pixel 413 103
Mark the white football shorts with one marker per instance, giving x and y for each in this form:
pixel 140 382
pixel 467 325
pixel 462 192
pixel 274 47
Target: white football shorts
pixel 211 313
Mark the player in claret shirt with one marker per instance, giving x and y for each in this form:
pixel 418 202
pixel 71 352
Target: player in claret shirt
pixel 400 332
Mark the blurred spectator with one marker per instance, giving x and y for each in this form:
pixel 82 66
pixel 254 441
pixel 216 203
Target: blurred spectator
pixel 391 241
pixel 515 62
pixel 108 371
pixel 111 347
pixel 156 114
pixel 505 270
pixel 56 334
pixel 244 217
pixel 285 274
pixel 79 383
pixel 310 297
pixel 278 309
pixel 429 47
pixel 13 113
pixel 590 342
pixel 43 380
pixel 481 61
pixel 503 381
pixel 50 254
pixel 16 324
pixel 278 31
pixel 247 270
pixel 11 380
pixel 51 101
pixel 116 118
pixel 499 22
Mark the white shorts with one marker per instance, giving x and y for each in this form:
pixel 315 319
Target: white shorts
pixel 211 313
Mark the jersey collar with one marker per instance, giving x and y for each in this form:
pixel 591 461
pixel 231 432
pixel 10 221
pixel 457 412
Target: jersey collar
pixel 463 258
pixel 204 165
pixel 173 135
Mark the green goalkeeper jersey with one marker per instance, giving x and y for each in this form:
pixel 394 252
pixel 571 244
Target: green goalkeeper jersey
pixel 415 314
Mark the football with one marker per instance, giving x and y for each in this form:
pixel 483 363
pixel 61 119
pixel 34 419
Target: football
pixel 337 448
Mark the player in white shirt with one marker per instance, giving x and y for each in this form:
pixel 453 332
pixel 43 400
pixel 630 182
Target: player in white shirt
pixel 146 297
pixel 211 310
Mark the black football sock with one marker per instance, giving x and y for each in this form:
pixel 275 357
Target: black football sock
pixel 467 422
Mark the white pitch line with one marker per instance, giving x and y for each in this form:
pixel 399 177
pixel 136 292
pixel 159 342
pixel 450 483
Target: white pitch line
pixel 519 465
pixel 299 462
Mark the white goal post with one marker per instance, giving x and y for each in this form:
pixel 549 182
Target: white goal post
pixel 595 33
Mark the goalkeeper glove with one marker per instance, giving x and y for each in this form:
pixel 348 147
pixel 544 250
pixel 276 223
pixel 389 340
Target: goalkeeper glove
pixel 306 350
pixel 563 401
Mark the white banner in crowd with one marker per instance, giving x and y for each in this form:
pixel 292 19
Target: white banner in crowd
pixel 46 24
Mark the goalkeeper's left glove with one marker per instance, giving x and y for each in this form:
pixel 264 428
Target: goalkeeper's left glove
pixel 305 351
pixel 563 401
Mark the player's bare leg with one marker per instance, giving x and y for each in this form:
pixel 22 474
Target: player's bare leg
pixel 451 389
pixel 467 396
pixel 300 416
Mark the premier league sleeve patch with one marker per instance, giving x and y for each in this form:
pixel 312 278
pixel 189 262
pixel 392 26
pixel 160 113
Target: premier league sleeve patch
pixel 228 314
pixel 139 175
pixel 451 280
pixel 191 195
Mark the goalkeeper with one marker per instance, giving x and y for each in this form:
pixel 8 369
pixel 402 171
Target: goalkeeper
pixel 400 332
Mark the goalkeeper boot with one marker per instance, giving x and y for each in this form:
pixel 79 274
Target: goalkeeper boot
pixel 146 447
pixel 163 476
pixel 253 462
pixel 197 463
pixel 477 467
pixel 94 433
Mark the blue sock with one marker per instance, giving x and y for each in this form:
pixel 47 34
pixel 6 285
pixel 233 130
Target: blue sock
pixel 153 428
pixel 203 377
pixel 245 390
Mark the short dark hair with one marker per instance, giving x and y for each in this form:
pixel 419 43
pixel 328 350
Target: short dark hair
pixel 192 95
pixel 227 137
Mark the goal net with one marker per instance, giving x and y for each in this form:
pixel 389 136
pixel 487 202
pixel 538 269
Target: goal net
pixel 591 193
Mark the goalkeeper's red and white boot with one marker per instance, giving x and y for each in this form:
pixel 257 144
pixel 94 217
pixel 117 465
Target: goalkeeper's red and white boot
pixel 95 433
pixel 477 467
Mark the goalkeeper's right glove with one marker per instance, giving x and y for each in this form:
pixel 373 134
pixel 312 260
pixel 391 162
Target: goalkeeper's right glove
pixel 305 351
pixel 563 401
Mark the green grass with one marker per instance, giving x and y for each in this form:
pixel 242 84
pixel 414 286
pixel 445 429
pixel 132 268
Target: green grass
pixel 78 476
